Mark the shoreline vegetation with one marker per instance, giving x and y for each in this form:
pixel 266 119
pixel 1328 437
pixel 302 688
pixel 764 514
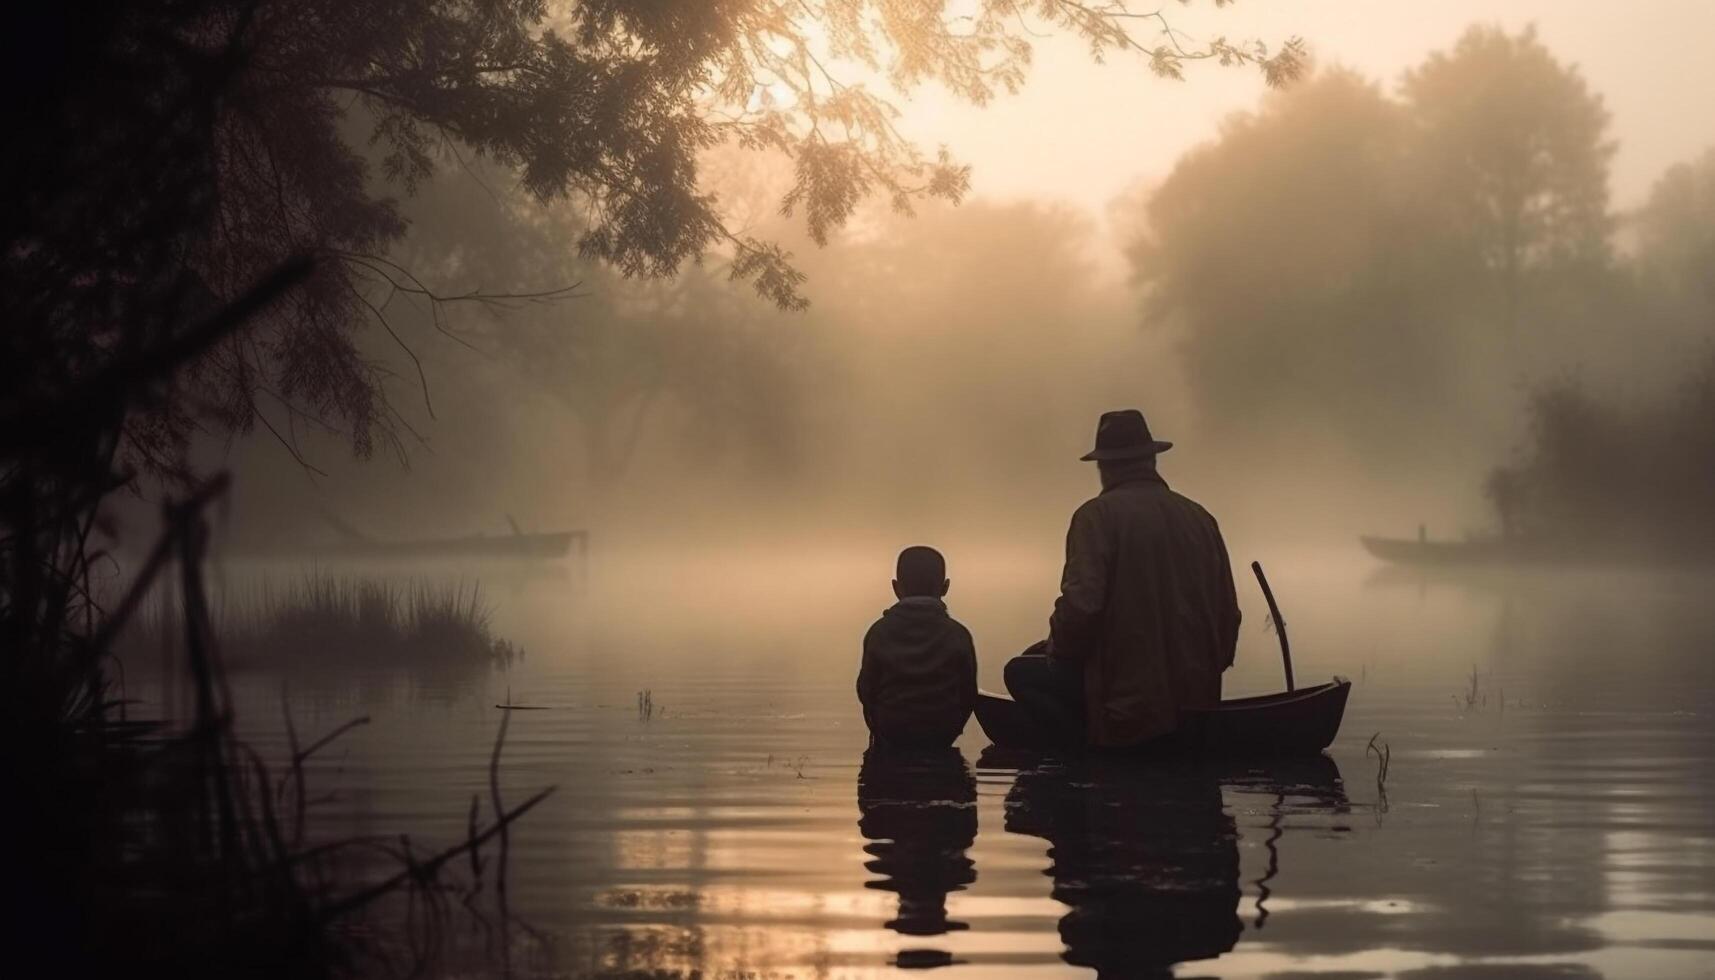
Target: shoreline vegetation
pixel 325 619
pixel 173 847
pixel 1599 476
pixel 145 846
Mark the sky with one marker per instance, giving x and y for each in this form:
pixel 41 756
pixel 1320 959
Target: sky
pixel 1085 133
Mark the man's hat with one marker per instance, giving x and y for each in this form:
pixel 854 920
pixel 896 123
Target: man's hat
pixel 1124 435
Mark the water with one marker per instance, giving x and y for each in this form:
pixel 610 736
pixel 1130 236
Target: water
pixel 1546 811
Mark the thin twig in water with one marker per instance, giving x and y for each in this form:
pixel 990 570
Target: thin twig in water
pixel 505 842
pixel 428 868
pixel 1384 756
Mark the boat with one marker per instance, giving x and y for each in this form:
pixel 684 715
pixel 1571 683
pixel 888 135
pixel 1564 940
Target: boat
pixel 1537 550
pixel 1421 551
pixel 1297 722
pixel 547 545
pixel 355 545
pixel 1294 722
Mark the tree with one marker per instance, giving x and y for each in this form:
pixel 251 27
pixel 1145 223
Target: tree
pixel 608 103
pixel 1513 149
pixel 1289 254
pixel 1676 235
pixel 708 361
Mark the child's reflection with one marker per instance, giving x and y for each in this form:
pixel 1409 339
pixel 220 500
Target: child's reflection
pixel 919 814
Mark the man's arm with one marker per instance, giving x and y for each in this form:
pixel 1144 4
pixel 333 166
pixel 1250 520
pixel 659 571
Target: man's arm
pixel 1226 600
pixel 1076 622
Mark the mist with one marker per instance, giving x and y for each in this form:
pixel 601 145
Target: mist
pixel 465 471
pixel 1329 306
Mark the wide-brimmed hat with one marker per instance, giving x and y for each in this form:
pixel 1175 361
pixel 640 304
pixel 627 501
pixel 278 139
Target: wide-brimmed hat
pixel 1124 435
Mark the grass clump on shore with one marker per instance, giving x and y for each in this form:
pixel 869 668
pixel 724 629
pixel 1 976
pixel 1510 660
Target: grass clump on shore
pixel 352 619
pixel 361 619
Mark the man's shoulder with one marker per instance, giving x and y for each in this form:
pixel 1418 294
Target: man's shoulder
pixel 1146 498
pixel 1192 505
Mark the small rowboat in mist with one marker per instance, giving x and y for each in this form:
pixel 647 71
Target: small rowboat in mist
pixel 510 547
pixel 1422 552
pixel 543 546
pixel 1299 722
pixel 1477 551
pixel 354 545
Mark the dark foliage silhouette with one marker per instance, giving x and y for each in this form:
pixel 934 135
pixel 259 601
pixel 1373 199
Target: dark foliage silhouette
pixel 335 108
pixel 141 847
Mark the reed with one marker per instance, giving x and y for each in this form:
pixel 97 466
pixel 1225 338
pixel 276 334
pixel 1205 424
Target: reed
pixel 1384 758
pixel 320 617
pixel 176 850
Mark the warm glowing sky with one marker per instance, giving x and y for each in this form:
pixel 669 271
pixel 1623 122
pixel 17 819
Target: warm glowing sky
pixel 1084 133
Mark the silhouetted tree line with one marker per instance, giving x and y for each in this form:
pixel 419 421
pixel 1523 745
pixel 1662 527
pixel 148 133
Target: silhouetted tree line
pixel 1634 473
pixel 1348 261
pixel 1389 270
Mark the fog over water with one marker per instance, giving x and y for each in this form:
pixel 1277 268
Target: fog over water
pixel 1452 287
pixel 1549 816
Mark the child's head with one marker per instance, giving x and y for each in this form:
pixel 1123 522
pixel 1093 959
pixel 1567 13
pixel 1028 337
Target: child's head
pixel 921 572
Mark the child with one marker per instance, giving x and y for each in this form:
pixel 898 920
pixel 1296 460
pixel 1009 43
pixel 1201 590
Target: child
pixel 918 681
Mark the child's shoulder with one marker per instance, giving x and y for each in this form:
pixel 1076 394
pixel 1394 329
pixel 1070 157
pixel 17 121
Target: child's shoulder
pixel 958 626
pixel 877 626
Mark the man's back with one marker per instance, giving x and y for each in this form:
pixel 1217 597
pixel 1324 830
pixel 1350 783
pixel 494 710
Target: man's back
pixel 1148 606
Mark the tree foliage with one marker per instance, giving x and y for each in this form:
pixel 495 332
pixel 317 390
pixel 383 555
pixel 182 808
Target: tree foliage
pixel 1514 151
pixel 1347 259
pixel 1616 477
pixel 1676 237
pixel 340 107
pixel 1617 470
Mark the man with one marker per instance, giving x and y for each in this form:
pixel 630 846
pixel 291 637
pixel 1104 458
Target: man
pixel 1147 617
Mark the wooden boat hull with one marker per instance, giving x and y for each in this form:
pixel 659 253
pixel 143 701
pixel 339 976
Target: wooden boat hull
pixel 1301 722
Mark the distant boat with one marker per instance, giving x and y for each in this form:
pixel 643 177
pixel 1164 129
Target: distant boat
pixel 517 546
pixel 541 547
pixel 1300 722
pixel 1613 551
pixel 1422 551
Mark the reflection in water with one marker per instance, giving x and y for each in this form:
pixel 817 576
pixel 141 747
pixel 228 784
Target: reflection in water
pixel 1313 782
pixel 1560 825
pixel 1144 855
pixel 919 815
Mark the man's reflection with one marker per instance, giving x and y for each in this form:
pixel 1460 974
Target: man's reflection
pixel 1144 855
pixel 919 814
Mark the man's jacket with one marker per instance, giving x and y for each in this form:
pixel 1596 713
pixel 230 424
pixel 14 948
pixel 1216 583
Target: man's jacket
pixel 918 681
pixel 1147 606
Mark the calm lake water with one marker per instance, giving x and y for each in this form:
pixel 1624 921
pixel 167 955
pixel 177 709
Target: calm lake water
pixel 1547 811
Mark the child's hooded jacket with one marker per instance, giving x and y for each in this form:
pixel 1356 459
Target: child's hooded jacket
pixel 918 681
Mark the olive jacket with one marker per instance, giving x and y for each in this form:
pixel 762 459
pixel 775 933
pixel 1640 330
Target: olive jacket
pixel 1147 606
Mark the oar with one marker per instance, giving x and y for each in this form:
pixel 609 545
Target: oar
pixel 1279 623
